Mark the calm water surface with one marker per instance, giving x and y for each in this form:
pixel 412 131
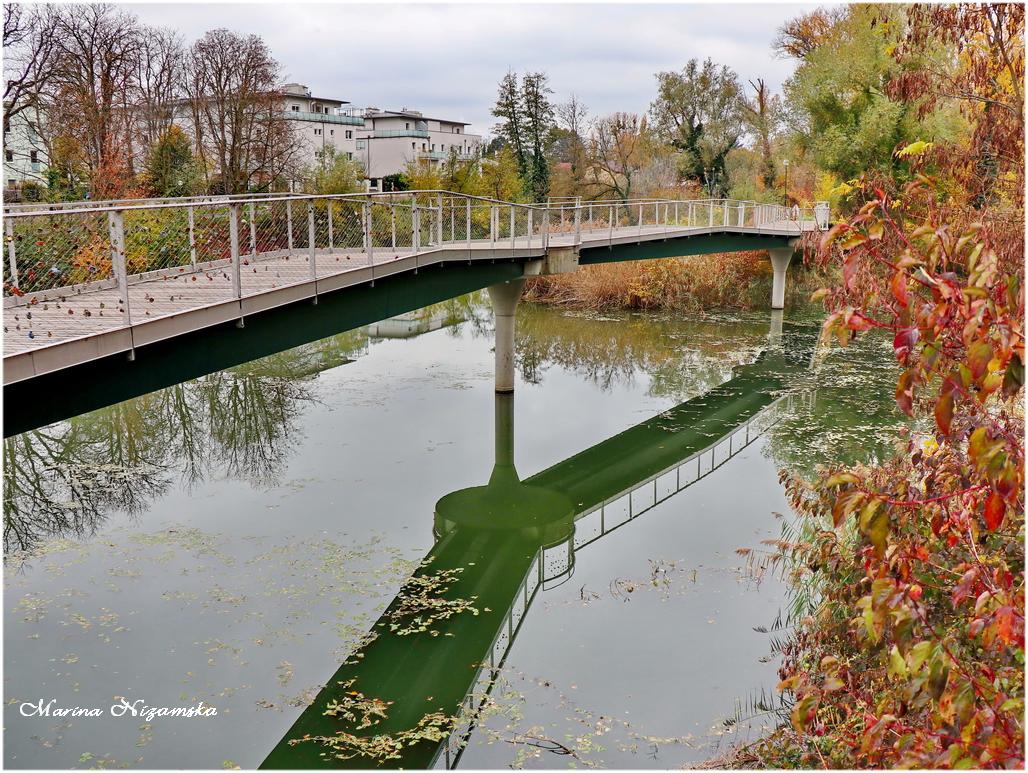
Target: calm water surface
pixel 233 540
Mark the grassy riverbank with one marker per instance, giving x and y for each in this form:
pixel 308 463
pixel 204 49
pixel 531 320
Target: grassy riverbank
pixel 737 281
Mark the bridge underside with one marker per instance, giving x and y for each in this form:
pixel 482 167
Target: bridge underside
pixel 706 244
pixel 80 387
pixel 59 395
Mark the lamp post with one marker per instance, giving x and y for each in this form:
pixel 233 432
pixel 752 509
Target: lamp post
pixel 785 163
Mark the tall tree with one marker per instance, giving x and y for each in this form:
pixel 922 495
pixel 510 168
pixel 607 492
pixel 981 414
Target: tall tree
pixel 535 92
pixel 508 109
pixel 158 82
pixel 618 151
pixel 95 62
pixel 30 46
pixel 763 116
pixel 699 111
pixel 569 138
pixel 241 133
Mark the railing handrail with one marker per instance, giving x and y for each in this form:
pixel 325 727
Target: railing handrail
pixel 77 207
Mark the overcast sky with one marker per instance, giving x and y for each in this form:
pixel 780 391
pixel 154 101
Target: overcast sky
pixel 447 59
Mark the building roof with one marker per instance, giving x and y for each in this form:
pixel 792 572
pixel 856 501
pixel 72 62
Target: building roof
pixel 417 116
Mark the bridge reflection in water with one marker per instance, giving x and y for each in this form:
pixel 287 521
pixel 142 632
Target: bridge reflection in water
pixel 430 660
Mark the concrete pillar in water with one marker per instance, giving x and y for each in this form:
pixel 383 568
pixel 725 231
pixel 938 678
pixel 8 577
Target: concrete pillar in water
pixel 505 297
pixel 775 334
pixel 780 257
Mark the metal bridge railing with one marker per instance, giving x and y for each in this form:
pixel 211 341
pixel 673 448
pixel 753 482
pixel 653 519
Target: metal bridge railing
pixel 227 244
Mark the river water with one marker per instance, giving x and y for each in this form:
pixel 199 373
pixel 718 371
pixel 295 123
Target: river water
pixel 233 540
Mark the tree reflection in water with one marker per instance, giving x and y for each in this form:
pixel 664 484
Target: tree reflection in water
pixel 64 480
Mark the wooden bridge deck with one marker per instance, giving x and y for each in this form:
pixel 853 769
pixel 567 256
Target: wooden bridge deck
pixel 68 326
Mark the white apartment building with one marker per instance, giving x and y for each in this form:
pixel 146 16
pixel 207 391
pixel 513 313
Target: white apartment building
pixel 24 157
pixel 392 138
pixel 321 123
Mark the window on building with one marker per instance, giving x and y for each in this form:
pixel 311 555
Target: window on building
pixel 433 147
pixel 413 146
pixel 9 155
pixel 424 146
pixel 34 156
pixel 406 125
pixel 331 132
pixel 349 134
pixel 296 108
pixel 361 144
pixel 317 131
pixel 349 154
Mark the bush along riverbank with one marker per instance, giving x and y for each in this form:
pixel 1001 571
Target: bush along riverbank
pixel 729 281
pixel 911 650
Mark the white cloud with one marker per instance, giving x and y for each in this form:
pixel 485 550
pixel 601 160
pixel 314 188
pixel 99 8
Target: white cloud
pixel 447 59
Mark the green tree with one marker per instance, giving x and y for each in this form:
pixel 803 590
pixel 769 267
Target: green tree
pixel 170 168
pixel 335 173
pixel 526 125
pixel 839 91
pixel 500 177
pixel 699 111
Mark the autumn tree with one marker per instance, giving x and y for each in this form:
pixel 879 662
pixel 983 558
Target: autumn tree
pixel 568 141
pixel 158 83
pixel 500 177
pixel 243 138
pixel 618 150
pixel 987 84
pixel 699 111
pixel 763 117
pixel 96 57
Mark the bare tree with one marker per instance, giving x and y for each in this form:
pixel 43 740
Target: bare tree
pixel 29 47
pixel 158 81
pixel 95 62
pixel 572 118
pixel 618 150
pixel 242 135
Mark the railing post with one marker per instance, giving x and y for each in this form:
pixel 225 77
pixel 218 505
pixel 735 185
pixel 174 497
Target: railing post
pixel 392 225
pixel 467 225
pixel 415 217
pixel 494 223
pixel 710 213
pixel 12 256
pixel 369 239
pixel 590 215
pixel 439 225
pixel 289 224
pixel 640 219
pixel 116 228
pixel 530 210
pixel 233 239
pixel 253 232
pixel 331 229
pixel 546 228
pixel 724 212
pixel 192 238
pixel 562 218
pixel 453 222
pixel 512 229
pixel 578 224
pixel 676 214
pixel 311 254
pixel 610 223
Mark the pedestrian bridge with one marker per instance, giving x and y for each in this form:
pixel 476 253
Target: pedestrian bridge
pixel 107 300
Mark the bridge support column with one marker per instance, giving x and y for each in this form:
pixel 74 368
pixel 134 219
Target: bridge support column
pixel 780 257
pixel 505 299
